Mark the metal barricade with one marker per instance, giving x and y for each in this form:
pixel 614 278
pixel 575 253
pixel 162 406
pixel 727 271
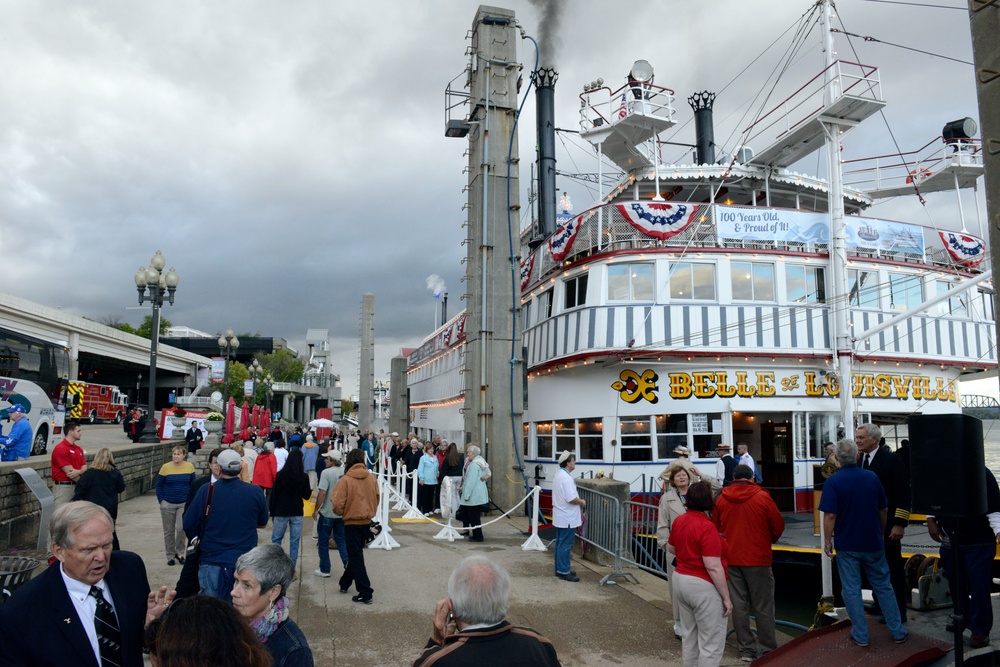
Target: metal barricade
pixel 639 534
pixel 603 529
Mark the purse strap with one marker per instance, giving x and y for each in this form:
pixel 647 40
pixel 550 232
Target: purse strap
pixel 208 509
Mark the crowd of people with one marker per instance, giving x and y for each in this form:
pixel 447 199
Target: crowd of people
pixel 717 533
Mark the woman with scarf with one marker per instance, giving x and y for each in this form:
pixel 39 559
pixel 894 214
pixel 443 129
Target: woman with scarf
pixel 675 487
pixel 259 594
pixel 475 495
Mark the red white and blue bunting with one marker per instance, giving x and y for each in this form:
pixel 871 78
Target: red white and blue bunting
pixel 527 265
pixel 659 220
pixel 965 249
pixel 561 242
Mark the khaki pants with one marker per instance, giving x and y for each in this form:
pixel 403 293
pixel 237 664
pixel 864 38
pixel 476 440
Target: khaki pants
pixel 174 541
pixel 703 626
pixel 62 494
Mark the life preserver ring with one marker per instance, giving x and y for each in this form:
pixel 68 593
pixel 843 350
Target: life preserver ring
pixel 918 175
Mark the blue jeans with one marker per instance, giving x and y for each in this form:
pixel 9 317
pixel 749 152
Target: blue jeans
pixel 278 533
pixel 216 581
pixel 849 564
pixel 328 526
pixel 564 543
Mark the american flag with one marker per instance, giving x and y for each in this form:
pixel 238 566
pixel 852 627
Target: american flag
pixel 623 109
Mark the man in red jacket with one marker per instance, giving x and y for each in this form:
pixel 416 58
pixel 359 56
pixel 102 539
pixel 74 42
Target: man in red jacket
pixel 751 523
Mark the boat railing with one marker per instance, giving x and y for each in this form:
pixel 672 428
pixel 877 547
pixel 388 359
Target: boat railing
pixel 604 229
pixel 848 79
pixel 601 107
pixel 913 167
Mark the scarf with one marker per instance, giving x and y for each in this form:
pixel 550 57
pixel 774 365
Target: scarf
pixel 266 625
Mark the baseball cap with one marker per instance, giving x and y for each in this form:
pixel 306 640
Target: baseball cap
pixel 230 462
pixel 334 454
pixel 17 407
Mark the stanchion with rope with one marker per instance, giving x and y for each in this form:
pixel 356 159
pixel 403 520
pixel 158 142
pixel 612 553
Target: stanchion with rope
pixel 413 513
pixel 400 500
pixel 534 543
pixel 384 539
pixel 448 491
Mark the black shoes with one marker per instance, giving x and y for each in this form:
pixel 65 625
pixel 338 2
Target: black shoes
pixel 171 562
pixel 568 577
pixel 979 641
pixel 362 599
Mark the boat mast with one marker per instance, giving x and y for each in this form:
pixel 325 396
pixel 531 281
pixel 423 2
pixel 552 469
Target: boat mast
pixel 838 231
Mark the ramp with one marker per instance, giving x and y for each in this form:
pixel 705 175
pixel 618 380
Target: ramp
pixel 832 645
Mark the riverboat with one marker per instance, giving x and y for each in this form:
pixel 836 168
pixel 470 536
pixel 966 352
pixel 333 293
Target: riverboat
pixel 731 298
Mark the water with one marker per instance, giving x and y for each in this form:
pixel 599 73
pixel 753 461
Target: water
pixel 991 445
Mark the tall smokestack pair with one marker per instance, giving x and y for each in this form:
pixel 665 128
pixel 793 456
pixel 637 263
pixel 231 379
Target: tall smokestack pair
pixel 545 91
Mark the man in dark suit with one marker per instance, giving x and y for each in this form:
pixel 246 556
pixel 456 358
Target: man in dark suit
pixel 896 483
pixel 63 616
pixel 194 438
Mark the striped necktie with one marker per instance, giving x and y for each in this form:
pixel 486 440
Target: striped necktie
pixel 109 636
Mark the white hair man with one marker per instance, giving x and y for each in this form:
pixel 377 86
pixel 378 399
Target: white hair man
pixel 469 626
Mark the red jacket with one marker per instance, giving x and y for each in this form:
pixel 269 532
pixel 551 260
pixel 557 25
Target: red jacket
pixel 264 469
pixel 751 522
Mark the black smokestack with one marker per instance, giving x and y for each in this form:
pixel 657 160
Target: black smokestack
pixel 545 91
pixel 704 126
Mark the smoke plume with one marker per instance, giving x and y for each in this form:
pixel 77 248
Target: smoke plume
pixel 435 284
pixel 550 14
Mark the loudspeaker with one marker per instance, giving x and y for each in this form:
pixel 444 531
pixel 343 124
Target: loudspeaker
pixel 947 466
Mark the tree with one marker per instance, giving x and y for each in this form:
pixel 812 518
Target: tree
pixel 347 406
pixel 238 373
pixel 282 365
pixel 114 321
pixel 146 328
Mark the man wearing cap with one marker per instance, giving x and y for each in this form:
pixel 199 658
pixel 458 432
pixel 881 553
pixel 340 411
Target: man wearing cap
pixel 224 518
pixel 68 463
pixel 725 465
pixel 329 522
pixel 567 514
pixel 17 445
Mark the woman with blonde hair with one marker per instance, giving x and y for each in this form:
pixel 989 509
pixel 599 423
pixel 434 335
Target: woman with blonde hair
pixel 172 486
pixel 244 468
pixel 100 484
pixel 676 481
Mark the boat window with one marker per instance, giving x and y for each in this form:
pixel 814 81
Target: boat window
pixel 671 433
pixel 636 439
pixel 699 431
pixel 752 281
pixel 904 291
pixel 576 291
pixel 864 288
pixel 565 436
pixel 544 306
pixel 526 315
pixel 591 439
pixel 954 306
pixel 543 440
pixel 630 282
pixel 805 284
pixel 689 280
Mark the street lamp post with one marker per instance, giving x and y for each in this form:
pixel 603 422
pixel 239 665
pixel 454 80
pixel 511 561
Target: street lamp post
pixel 228 344
pixel 268 382
pixel 255 372
pixel 158 284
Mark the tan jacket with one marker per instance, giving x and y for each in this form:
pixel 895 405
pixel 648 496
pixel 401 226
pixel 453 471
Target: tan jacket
pixel 356 496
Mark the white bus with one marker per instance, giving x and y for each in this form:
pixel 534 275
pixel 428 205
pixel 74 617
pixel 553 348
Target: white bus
pixel 34 373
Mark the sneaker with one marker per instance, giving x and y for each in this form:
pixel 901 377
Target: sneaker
pixel 568 577
pixel 362 599
pixel 171 562
pixel 902 640
pixel 747 658
pixel 315 537
pixel 344 590
pixel 321 573
pixel 979 641
pixel 861 644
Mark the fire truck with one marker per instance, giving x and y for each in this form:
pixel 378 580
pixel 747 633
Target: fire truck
pixel 94 402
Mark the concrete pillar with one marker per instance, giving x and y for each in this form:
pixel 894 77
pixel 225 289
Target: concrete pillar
pixel 286 406
pixel 492 375
pixel 74 356
pixel 366 377
pixel 984 18
pixel 307 414
pixel 399 403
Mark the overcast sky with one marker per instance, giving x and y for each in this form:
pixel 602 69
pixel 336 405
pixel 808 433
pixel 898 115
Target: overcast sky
pixel 287 157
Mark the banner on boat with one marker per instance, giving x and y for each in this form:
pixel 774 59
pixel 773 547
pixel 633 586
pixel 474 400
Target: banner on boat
pixel 634 386
pixel 660 220
pixel 965 249
pixel 769 224
pixel 527 264
pixel 561 241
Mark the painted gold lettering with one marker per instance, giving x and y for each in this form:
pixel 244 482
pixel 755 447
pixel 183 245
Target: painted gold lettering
pixel 703 387
pixel 680 385
pixel 882 386
pixel 722 387
pixel 901 384
pixel 813 388
pixel 743 389
pixel 765 383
